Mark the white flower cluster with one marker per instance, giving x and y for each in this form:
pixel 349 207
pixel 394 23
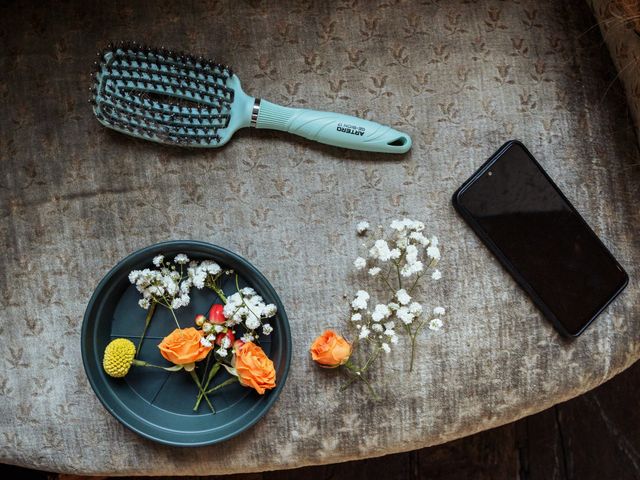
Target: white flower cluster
pixel 170 284
pixel 406 310
pixel 360 302
pixel 223 349
pixel 247 308
pixel 378 325
pixel 362 227
pixel 374 326
pixel 408 248
pixel 406 252
pixel 436 323
pixel 166 285
pixel 200 272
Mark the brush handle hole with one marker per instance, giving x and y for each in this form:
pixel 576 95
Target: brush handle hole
pixel 398 142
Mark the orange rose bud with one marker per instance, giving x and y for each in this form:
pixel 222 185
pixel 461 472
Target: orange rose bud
pixel 254 368
pixel 183 347
pixel 330 350
pixel 216 314
pixel 200 319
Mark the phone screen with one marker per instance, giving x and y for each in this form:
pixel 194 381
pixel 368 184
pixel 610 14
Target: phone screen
pixel 540 237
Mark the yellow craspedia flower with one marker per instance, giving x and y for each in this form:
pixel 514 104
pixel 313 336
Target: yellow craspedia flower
pixel 118 357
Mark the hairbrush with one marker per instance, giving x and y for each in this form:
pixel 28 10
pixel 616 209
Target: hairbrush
pixel 178 99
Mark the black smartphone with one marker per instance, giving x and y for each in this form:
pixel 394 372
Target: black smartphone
pixel 540 238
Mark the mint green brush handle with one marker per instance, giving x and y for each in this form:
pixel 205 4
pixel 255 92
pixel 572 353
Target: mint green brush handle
pixel 331 128
pixel 178 99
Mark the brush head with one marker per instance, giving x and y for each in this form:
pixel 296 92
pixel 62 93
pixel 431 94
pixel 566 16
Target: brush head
pixel 163 96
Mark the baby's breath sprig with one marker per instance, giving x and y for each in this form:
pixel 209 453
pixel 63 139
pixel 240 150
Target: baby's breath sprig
pixel 207 274
pixel 248 309
pixel 168 285
pixel 406 254
pixel 399 259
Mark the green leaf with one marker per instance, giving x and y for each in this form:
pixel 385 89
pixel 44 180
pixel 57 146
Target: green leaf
pixel 175 368
pixel 231 370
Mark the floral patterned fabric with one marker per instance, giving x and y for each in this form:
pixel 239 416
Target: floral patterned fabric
pixel 460 77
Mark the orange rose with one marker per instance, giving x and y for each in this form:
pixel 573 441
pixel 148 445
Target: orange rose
pixel 330 350
pixel 254 368
pixel 183 347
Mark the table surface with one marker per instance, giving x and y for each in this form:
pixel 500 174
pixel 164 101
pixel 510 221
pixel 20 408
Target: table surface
pixel 460 78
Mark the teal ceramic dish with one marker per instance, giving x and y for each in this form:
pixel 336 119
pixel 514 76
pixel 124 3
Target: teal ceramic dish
pixel 157 404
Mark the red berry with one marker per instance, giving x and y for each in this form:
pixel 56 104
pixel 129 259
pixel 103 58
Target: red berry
pixel 221 336
pixel 216 314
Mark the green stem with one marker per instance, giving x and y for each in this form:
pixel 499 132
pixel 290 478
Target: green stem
pixel 414 336
pixel 229 381
pixel 141 363
pixel 206 365
pixel 174 317
pixel 213 286
pixel 204 374
pixel 147 320
pixel 358 372
pixel 371 359
pixel 371 390
pixel 413 351
pixel 354 344
pixel 386 280
pixel 397 264
pixel 212 373
pixel 168 305
pixel 415 283
pixel 243 302
pixel 351 381
pixel 197 380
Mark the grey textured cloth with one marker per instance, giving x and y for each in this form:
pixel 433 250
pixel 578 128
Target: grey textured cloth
pixel 459 77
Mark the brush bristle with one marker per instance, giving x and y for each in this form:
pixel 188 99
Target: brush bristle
pixel 161 95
